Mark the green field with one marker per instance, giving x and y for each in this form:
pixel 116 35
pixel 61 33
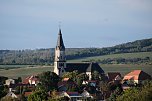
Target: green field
pixel 26 71
pixel 125 68
pixel 112 56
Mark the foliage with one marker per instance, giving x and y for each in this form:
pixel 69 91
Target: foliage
pixel 3 91
pixel 75 76
pixel 38 96
pixel 97 76
pixel 70 75
pixel 19 79
pixel 59 99
pixel 2 79
pixel 8 98
pixel 137 94
pixel 49 80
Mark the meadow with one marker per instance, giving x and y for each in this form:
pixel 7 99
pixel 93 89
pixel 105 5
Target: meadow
pixel 27 70
pixel 126 68
pixel 112 56
pixel 24 71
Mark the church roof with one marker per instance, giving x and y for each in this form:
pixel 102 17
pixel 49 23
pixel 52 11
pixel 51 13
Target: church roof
pixel 60 44
pixel 83 67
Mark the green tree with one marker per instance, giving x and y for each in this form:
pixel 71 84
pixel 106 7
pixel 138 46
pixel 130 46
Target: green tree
pixel 71 75
pixel 3 91
pixel 137 94
pixel 38 96
pixel 49 80
pixel 19 79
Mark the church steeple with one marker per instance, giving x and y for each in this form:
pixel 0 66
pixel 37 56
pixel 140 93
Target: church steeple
pixel 60 44
pixel 59 60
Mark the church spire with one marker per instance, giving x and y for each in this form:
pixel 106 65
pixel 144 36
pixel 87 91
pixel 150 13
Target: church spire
pixel 60 44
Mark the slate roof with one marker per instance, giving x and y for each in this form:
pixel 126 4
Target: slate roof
pixel 60 44
pixel 83 67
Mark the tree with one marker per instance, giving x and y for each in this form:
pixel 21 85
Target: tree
pixel 3 91
pixel 19 80
pixel 71 75
pixel 49 80
pixel 38 96
pixel 137 94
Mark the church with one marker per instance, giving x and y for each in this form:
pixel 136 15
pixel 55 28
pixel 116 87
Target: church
pixel 61 66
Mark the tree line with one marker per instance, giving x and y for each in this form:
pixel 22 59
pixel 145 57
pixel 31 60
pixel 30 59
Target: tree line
pixel 46 56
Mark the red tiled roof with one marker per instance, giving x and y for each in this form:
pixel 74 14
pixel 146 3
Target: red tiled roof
pixel 134 72
pixel 27 94
pixel 137 75
pixel 33 78
pixel 66 79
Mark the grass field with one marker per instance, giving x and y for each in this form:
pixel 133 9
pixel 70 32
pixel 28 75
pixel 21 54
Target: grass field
pixel 124 55
pixel 23 72
pixel 125 68
pixel 26 71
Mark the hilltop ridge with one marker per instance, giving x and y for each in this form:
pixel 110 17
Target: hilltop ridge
pixel 46 56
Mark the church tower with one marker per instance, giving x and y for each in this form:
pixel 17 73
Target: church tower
pixel 59 60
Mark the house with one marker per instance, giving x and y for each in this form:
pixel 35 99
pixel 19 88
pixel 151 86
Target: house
pixel 114 76
pixel 9 82
pixel 66 85
pixel 64 94
pixel 61 66
pixel 90 82
pixel 137 76
pixel 75 96
pixel 86 95
pixel 32 80
pixel 11 94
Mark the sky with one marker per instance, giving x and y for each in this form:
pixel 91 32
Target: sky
pixel 34 24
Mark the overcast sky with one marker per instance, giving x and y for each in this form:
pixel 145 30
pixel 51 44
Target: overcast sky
pixel 32 24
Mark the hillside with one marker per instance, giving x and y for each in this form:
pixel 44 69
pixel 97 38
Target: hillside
pixel 26 71
pixel 46 56
pixel 122 58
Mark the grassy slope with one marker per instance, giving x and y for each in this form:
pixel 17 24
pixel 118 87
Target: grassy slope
pixel 23 72
pixel 123 69
pixel 123 55
pixel 126 68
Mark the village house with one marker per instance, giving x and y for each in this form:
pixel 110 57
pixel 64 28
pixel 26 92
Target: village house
pixel 114 77
pixel 8 82
pixel 32 80
pixel 136 76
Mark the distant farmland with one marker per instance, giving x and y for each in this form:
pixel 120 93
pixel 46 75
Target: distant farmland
pixel 126 68
pixel 113 56
pixel 26 71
